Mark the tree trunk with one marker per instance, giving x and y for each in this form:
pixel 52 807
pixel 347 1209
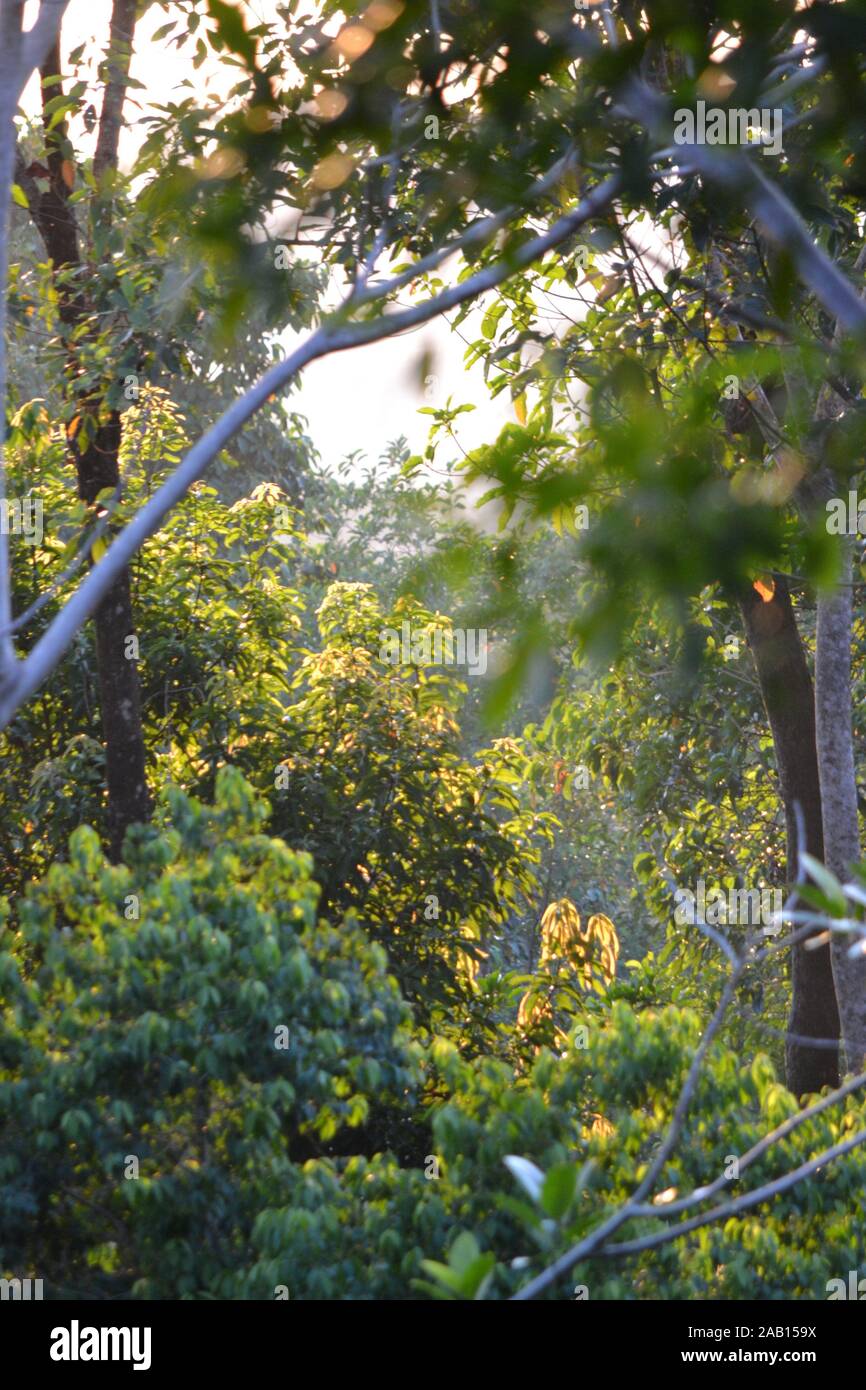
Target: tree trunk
pixel 835 744
pixel 96 463
pixel 119 688
pixel 9 63
pixel 786 686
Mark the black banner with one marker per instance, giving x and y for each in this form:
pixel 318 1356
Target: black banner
pixel 146 1339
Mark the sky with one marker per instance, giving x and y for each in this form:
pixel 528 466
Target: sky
pixel 360 399
pixel 366 397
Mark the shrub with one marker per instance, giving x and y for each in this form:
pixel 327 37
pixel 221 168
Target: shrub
pixel 150 1104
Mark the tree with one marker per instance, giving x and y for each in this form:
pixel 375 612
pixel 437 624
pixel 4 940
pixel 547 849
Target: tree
pixel 378 181
pixel 172 1123
pixel 94 429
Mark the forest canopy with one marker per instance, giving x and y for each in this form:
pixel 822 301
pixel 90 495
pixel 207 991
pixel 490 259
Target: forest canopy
pixel 434 875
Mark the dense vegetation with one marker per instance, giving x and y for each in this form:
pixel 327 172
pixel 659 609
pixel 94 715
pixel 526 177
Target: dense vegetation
pixel 331 966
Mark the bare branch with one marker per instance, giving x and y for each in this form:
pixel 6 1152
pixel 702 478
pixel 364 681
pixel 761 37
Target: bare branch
pixel 596 1238
pixel 595 1241
pixel 335 336
pixel 87 541
pixel 775 1136
pixel 478 233
pixel 738 1204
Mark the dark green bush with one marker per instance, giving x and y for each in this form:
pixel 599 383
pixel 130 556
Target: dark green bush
pixel 141 1009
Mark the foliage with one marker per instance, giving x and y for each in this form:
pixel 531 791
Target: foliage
pixel 589 1119
pixel 387 1002
pixel 217 613
pixel 174 1029
pixel 155 1038
pixel 431 849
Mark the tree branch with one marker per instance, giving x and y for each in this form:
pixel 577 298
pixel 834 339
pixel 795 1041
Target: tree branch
pixel 595 1244
pixel 596 1238
pixel 738 1204
pixel 335 336
pixel 117 81
pixel 783 225
pixel 38 40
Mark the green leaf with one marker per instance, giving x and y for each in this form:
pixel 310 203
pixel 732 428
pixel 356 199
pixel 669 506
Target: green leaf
pixel 230 27
pixel 464 1252
pixel 476 1279
pixel 557 1193
pixel 826 881
pixel 447 1276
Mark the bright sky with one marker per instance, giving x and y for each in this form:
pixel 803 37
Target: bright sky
pixel 363 398
pixel 354 400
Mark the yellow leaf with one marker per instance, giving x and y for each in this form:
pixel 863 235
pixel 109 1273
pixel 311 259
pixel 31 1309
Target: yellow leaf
pixel 533 1009
pixel 661 1199
pixel 560 930
pixel 601 1126
pixel 609 286
pixel 765 586
pixel 520 408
